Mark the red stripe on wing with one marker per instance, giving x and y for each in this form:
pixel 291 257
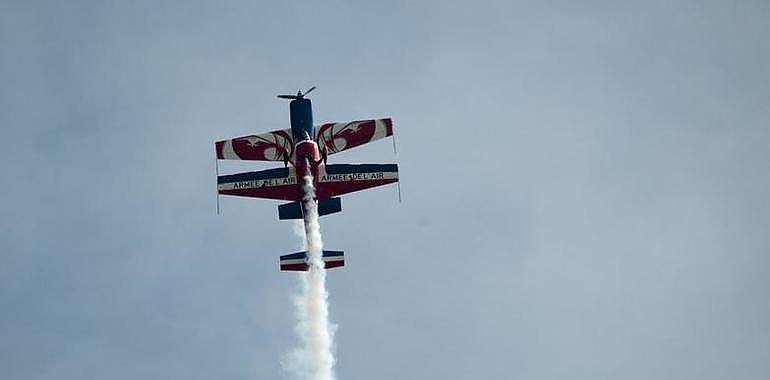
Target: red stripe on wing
pixel 331 189
pixel 288 193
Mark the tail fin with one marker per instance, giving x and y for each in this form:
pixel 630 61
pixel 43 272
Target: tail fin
pixel 297 262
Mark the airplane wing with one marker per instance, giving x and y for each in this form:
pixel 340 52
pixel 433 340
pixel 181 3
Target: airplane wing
pixel 270 146
pixel 280 183
pixel 341 179
pixel 336 137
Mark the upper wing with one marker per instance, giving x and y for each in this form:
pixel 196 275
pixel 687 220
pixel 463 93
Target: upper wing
pixel 280 183
pixel 270 146
pixel 336 137
pixel 341 179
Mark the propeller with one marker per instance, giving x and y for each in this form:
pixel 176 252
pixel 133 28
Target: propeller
pixel 299 95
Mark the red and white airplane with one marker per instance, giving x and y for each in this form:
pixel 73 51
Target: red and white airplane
pixel 301 148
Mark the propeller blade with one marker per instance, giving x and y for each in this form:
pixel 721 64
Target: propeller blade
pixel 288 96
pixel 308 91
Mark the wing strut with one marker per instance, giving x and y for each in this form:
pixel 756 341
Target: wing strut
pixel 216 165
pixel 394 143
pixel 395 153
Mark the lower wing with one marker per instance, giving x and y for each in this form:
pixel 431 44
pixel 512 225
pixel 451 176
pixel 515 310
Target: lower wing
pixel 280 183
pixel 341 179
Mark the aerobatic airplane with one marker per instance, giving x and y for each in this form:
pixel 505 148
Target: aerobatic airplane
pixel 300 148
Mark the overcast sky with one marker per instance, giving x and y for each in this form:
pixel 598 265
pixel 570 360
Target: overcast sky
pixel 585 188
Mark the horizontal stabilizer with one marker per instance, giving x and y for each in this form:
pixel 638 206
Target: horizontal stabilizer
pixel 293 210
pixel 329 206
pixel 298 261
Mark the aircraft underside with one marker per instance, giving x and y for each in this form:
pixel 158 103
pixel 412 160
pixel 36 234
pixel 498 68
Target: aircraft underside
pixel 305 149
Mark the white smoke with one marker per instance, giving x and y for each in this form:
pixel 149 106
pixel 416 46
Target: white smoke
pixel 314 360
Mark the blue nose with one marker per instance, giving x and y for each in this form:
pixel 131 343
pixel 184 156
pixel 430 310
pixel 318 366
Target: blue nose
pixel 301 119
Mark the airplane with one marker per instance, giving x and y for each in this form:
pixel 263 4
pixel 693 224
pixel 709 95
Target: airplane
pixel 302 148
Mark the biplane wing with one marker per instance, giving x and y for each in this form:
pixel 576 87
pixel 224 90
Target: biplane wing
pixel 336 137
pixel 341 179
pixel 270 146
pixel 280 183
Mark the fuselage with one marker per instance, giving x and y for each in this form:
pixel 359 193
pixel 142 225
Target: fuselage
pixel 306 154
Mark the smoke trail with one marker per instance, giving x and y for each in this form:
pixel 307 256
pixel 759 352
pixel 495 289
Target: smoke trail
pixel 314 360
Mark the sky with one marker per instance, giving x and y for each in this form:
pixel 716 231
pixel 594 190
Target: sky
pixel 584 188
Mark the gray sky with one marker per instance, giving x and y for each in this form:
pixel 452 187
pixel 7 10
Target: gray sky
pixel 585 188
